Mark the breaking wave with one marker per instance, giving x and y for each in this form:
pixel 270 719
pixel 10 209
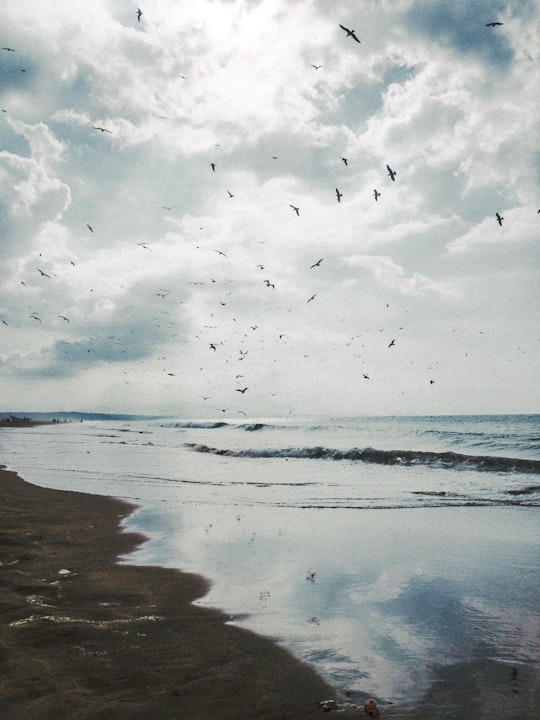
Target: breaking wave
pixel 445 460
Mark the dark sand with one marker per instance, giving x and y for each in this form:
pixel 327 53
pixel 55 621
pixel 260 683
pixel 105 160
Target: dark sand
pixel 122 641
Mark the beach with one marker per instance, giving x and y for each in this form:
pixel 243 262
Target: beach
pixel 144 576
pixel 85 637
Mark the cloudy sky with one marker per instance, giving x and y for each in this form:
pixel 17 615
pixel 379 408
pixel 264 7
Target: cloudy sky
pixel 152 259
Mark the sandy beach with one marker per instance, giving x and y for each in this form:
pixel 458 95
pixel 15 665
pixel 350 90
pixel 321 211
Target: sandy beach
pixel 85 637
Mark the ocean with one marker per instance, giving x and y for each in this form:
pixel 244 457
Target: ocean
pixel 399 556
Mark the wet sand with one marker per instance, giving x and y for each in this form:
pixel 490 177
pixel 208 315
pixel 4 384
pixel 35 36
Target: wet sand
pixel 82 636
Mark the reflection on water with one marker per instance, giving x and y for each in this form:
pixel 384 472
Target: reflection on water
pixel 395 603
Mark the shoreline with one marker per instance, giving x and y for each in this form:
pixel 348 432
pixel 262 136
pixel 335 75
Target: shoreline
pixel 83 636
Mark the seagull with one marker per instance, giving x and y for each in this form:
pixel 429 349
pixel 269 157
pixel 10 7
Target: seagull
pixel 392 343
pixel 376 195
pixel 350 33
pixel 313 66
pixel 8 49
pixel 101 129
pixel 312 297
pixel 90 227
pixel 213 166
pixel 296 209
pixel 43 274
pixel 230 194
pixel 391 173
pixel 494 24
pixel 64 318
pixel 220 252
pixel 366 377
pixel 145 246
pixel 243 390
pixel 212 346
pixel 499 218
pixel 269 284
pixel 338 195
pixel 345 161
pixel 139 13
pixel 165 207
pixel 317 264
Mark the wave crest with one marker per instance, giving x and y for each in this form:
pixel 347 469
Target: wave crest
pixel 446 460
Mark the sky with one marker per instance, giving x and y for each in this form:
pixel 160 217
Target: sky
pixel 152 258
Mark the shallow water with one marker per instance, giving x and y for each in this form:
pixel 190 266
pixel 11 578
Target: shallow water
pixel 405 582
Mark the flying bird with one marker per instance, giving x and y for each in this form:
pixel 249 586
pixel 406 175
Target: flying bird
pixel 269 284
pixel 494 24
pixel 313 66
pixel 376 195
pixel 345 161
pixel 213 166
pixel 220 252
pixel 499 218
pixel 350 33
pixel 243 390
pixel 101 129
pixel 168 208
pixel 90 227
pixel 64 318
pixel 43 274
pixel 8 49
pixel 139 13
pixel 312 297
pixel 145 246
pixel 230 193
pixel 296 209
pixel 317 264
pixel 391 173
pixel 338 195
pixel 392 343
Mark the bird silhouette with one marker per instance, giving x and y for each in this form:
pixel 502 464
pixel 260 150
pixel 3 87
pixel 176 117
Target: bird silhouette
pixel 499 218
pixel 90 227
pixel 350 33
pixel 8 49
pixel 101 129
pixel 139 13
pixel 391 173
pixel 313 66
pixel 64 318
pixel 317 264
pixel 312 297
pixel 338 195
pixel 43 274
pixel 296 209
pixel 345 161
pixel 494 24
pixel 376 194
pixel 392 343
pixel 230 193
pixel 242 390
pixel 213 166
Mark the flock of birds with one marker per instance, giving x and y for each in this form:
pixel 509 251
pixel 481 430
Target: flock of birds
pixel 164 294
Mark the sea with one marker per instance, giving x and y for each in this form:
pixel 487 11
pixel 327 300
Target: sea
pixel 399 556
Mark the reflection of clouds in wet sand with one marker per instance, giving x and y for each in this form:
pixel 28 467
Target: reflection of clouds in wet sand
pixel 380 602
